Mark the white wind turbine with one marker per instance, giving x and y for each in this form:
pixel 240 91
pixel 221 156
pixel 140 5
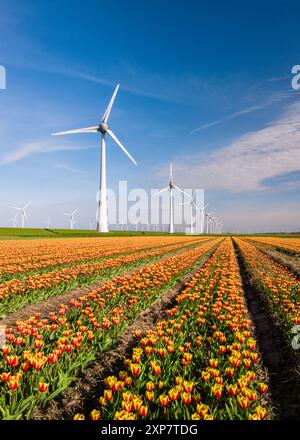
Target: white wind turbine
pixel 102 128
pixel 23 213
pixel 208 221
pixel 71 217
pixel 14 220
pixel 48 223
pixel 92 224
pixel 171 187
pixel 192 205
pixel 202 218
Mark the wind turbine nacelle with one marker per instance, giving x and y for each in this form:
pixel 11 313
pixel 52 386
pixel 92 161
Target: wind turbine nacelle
pixel 103 127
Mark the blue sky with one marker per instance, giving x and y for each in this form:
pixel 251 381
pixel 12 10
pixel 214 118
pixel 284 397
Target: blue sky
pixel 206 85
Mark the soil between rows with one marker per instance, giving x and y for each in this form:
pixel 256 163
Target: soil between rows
pixel 83 395
pixel 277 355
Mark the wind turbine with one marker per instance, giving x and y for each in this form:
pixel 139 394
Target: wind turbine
pixel 202 210
pixel 212 224
pixel 23 213
pixel 192 205
pixel 71 217
pixel 14 220
pixel 171 187
pixel 208 221
pixel 48 223
pixel 91 225
pixel 102 128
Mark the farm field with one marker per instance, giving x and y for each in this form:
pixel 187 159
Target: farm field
pixel 150 327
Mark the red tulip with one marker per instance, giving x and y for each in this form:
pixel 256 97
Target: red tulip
pixel 43 387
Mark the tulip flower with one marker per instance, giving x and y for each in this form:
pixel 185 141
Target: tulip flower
pixel 186 398
pixel 188 386
pixel 43 387
pixel 95 415
pixel 135 369
pixel 150 386
pixel 12 360
pixel 143 411
pixel 243 402
pixel 217 390
pixel 262 387
pixel 127 396
pixel 13 384
pixel 107 394
pixel 149 395
pixel 127 406
pixel 5 376
pixel 163 400
pixel 79 417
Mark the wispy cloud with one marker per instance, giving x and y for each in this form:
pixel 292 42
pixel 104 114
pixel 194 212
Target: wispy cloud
pixel 37 147
pixel 247 163
pixel 274 97
pixel 69 168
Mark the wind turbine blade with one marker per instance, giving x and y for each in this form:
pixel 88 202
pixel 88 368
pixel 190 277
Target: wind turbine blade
pixel 161 191
pixel 109 107
pixel 171 172
pixel 26 206
pixel 15 207
pixel 64 213
pixel 205 206
pixel 74 212
pixel 180 190
pixel 114 137
pixel 78 130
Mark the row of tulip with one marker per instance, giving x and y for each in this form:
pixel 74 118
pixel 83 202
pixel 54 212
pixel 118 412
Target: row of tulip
pixel 73 252
pixel 42 356
pixel 25 250
pixel 281 288
pixel 16 293
pixel 200 363
pixel 283 244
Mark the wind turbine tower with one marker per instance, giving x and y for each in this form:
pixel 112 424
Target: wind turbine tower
pixel 171 187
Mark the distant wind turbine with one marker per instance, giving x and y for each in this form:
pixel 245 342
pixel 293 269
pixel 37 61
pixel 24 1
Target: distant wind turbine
pixel 23 213
pixel 192 205
pixel 48 223
pixel 14 220
pixel 92 224
pixel 102 127
pixel 71 217
pixel 202 218
pixel 171 187
pixel 208 221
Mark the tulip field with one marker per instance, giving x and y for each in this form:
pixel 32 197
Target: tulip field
pixel 147 327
